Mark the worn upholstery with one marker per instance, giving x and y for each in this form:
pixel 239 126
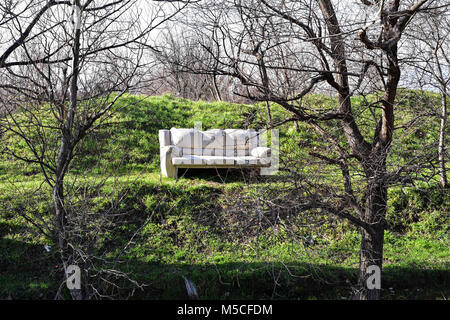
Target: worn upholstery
pixel 216 147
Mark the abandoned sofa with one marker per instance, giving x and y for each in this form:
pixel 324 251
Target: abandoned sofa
pixel 216 148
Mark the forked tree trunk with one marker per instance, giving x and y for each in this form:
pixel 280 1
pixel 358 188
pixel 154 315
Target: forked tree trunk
pixel 372 157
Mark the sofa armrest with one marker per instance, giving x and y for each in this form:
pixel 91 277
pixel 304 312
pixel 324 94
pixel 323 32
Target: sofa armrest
pixel 164 138
pixel 261 152
pixel 166 155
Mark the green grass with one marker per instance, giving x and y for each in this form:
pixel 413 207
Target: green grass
pixel 213 230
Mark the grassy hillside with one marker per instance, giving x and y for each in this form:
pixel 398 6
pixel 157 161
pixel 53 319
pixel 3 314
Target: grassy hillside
pixel 217 231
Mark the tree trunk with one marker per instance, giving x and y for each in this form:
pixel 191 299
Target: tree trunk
pixel 66 149
pixel 371 250
pixel 61 219
pixel 441 148
pixel 61 224
pixel 371 254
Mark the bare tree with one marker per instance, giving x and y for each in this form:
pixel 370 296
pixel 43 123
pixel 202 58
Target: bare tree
pixel 81 58
pixel 18 23
pixel 178 49
pixel 431 60
pixel 347 48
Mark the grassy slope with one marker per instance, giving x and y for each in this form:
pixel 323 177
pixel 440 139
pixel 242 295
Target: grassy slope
pixel 196 234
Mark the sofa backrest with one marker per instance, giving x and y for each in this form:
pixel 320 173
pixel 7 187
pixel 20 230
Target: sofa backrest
pixel 215 142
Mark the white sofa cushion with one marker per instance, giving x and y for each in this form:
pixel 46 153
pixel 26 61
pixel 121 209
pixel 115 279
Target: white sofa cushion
pixel 215 142
pixel 185 138
pixel 229 139
pixel 238 138
pixel 214 139
pixel 190 138
pixel 261 152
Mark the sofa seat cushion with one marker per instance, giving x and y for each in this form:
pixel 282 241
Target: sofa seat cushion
pixel 219 160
